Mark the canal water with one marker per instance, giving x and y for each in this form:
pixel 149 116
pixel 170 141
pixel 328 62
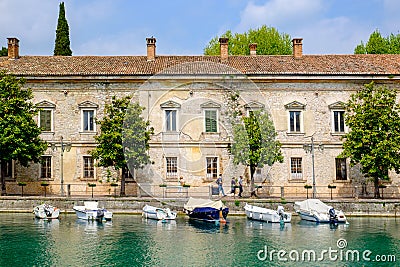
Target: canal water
pixel 130 240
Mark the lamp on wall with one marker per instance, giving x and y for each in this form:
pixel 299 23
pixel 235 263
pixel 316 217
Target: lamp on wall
pixel 309 148
pixel 64 147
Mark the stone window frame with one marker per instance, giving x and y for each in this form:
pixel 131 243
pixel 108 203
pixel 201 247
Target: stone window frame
pixel 295 106
pixel 170 106
pixel 253 106
pixel 339 169
pixel 296 176
pixel 85 107
pixel 10 170
pixel 171 174
pixel 212 175
pixel 41 177
pixel 337 107
pixel 46 106
pixel 211 106
pixel 92 168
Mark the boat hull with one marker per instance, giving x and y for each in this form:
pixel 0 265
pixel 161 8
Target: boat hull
pixel 266 215
pixel 318 212
pixel 46 212
pixel 207 214
pixel 150 212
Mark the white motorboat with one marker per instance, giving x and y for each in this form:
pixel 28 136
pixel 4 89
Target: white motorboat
pixel 90 211
pixel 267 215
pixel 158 213
pixel 315 210
pixel 46 212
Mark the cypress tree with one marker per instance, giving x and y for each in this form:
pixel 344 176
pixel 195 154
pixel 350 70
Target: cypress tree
pixel 62 45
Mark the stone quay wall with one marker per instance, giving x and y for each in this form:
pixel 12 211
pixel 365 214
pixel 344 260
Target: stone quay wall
pixel 134 205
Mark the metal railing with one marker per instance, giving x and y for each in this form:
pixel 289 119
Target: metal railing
pixel 211 191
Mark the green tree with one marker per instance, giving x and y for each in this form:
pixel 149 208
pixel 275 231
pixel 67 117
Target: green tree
pixel 62 44
pixel 269 42
pixel 374 140
pixel 377 44
pixel 135 137
pixel 3 51
pixel 109 150
pixel 254 143
pixel 19 133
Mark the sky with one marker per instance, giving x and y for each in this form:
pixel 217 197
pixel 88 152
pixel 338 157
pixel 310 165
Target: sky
pixel 185 27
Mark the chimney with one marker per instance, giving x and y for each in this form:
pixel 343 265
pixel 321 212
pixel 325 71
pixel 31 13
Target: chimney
pixel 13 48
pixel 253 49
pixel 297 47
pixel 223 43
pixel 151 48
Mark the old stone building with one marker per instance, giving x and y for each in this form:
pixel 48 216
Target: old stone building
pixel 186 100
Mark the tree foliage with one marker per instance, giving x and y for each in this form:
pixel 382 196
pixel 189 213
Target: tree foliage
pixel 3 52
pixel 269 42
pixel 255 144
pixel 377 44
pixel 109 150
pixel 136 137
pixel 374 140
pixel 62 44
pixel 19 133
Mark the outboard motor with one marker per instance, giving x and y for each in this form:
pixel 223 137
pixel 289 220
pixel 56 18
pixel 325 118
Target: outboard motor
pixel 332 216
pixel 100 215
pixel 47 210
pixel 281 213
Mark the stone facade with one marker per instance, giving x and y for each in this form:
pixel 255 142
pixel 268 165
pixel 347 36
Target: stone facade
pixel 178 94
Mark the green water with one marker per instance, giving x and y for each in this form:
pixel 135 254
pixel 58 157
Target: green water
pixel 130 240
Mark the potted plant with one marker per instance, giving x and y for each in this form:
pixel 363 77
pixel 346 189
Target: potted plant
pixel 331 187
pixel 163 185
pixel 45 185
pixel 22 184
pixel 307 186
pixel 92 185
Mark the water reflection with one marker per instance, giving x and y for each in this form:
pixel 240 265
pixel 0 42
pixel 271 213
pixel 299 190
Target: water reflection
pixel 47 224
pixel 209 227
pixel 160 224
pixel 266 225
pixel 130 240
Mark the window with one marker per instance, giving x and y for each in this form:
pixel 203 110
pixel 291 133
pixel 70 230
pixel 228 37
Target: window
pixel 294 121
pixel 88 167
pixel 172 167
pixel 341 170
pixel 88 120
pixel 9 169
pixel 126 173
pixel 296 168
pixel 45 120
pixel 258 175
pixel 211 121
pixel 295 116
pixel 170 120
pixel 45 167
pixel 338 121
pixel 88 113
pixel 212 167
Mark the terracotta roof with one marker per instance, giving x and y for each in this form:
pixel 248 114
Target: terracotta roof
pixel 260 64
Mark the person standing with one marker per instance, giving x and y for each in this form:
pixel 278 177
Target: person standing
pixel 219 183
pixel 240 183
pixel 233 186
pixel 181 184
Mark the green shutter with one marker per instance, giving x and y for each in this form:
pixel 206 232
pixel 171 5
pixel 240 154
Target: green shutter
pixel 45 120
pixel 211 121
